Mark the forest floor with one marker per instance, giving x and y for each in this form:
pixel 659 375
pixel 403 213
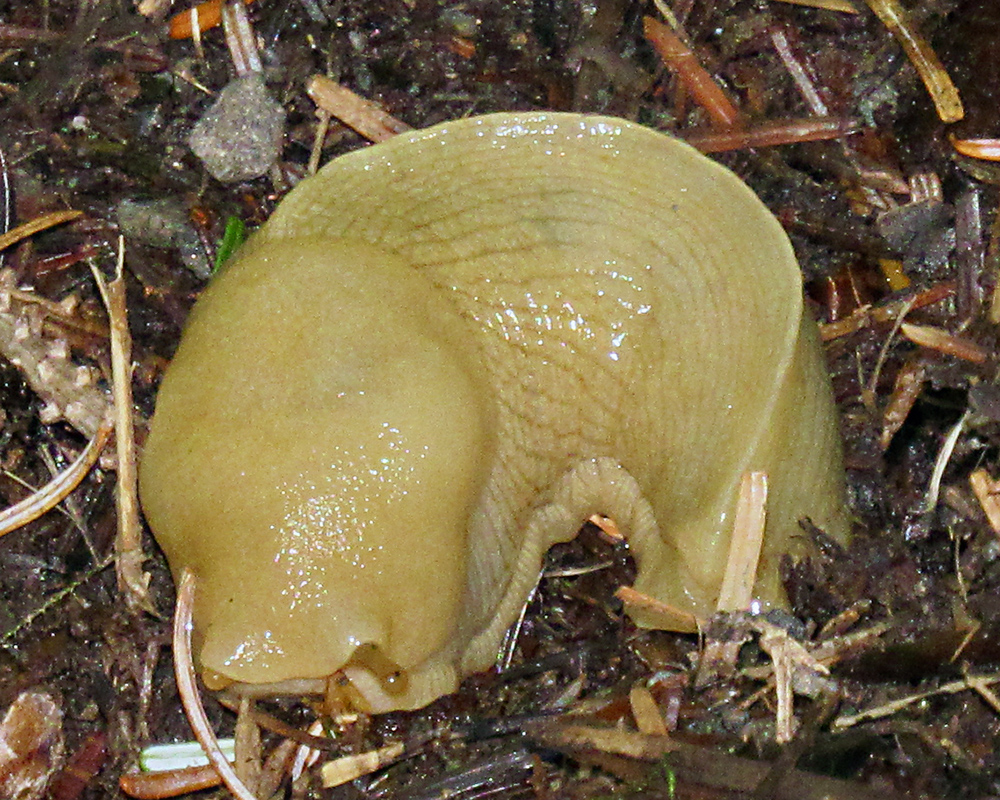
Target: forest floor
pixel 893 213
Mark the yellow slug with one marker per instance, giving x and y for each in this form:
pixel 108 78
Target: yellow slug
pixel 439 357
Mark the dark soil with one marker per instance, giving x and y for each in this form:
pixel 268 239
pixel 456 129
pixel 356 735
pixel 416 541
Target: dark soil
pixel 96 103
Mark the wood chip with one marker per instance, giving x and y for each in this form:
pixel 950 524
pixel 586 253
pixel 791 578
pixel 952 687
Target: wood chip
pixel 671 618
pixel 357 113
pixel 646 712
pixel 736 593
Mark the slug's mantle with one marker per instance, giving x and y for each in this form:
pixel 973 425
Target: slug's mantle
pixel 440 356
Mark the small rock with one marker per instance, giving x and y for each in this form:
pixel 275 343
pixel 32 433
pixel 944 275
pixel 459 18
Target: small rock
pixel 240 136
pixel 163 223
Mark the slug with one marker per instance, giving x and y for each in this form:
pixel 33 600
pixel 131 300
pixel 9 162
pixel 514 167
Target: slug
pixel 439 357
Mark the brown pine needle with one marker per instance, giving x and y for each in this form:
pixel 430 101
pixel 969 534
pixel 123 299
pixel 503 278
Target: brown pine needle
pixel 769 134
pixel 59 488
pixel 37 225
pixel 924 59
pixel 168 783
pixel 827 5
pixel 678 57
pixel 944 342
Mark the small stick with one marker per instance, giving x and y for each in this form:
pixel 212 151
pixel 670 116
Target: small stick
pixel 357 113
pixel 888 312
pixel 128 543
pixel 59 488
pixel 932 72
pixel 348 768
pixel 188 689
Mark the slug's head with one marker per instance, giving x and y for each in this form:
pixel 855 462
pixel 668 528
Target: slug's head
pixel 314 456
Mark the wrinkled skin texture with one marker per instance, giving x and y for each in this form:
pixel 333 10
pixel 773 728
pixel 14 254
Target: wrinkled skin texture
pixel 441 355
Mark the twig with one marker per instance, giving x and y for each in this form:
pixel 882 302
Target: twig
pixel 703 766
pixel 132 581
pixel 890 708
pixel 790 659
pixel 888 312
